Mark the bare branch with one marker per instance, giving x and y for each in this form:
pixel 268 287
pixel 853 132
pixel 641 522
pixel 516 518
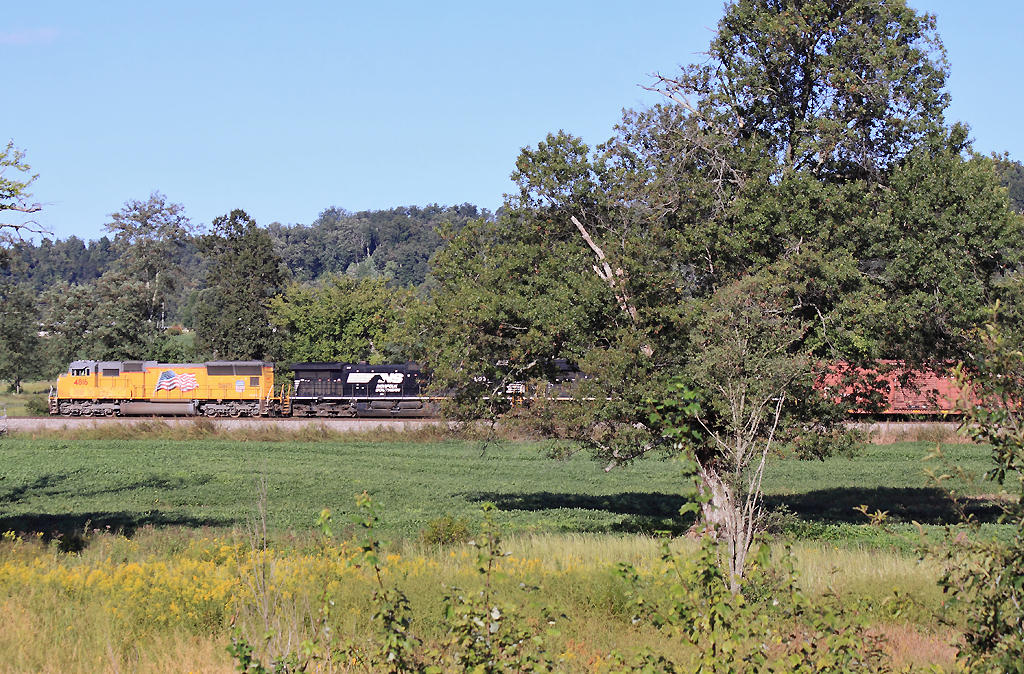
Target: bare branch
pixel 34 208
pixel 616 281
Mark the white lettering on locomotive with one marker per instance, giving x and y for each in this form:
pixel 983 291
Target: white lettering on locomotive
pixel 367 377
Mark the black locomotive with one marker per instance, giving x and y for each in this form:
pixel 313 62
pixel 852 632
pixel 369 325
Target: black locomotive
pixel 360 390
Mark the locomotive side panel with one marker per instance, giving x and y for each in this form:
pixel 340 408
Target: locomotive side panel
pixel 223 380
pixel 382 381
pixel 223 388
pixel 341 389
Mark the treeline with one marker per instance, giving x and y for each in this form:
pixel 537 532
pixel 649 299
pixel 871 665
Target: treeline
pixel 159 287
pixel 348 287
pixel 394 244
pixel 50 262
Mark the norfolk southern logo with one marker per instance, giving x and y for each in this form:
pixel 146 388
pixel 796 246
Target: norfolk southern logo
pixel 168 380
pixel 387 382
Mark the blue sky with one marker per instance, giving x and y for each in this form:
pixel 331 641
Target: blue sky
pixel 285 109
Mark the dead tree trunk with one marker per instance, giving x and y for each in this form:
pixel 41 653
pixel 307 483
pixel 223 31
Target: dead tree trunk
pixel 732 485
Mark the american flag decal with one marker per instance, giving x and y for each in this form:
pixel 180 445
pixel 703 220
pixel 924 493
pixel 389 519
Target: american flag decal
pixel 169 380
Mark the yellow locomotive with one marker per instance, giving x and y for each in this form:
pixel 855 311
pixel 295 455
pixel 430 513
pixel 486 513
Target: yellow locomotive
pixel 137 387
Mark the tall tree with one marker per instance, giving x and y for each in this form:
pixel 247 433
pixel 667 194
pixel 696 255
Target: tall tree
pixel 20 355
pixel 839 88
pixel 153 237
pixel 19 323
pixel 244 272
pixel 811 145
pixel 15 179
pixel 102 320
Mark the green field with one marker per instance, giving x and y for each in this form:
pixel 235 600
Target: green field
pixel 15 403
pixel 55 484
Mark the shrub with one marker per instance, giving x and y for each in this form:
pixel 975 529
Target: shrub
pixel 37 406
pixel 985 579
pixel 769 625
pixel 445 530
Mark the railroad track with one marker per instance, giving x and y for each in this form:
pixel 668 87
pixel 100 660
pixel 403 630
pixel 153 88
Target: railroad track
pixel 338 425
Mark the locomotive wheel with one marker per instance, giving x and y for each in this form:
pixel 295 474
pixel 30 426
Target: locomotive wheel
pixel 235 412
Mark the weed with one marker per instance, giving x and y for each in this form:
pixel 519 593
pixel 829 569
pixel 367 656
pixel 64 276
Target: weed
pixel 178 591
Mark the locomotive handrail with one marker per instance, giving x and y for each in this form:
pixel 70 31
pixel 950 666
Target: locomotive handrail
pixel 286 399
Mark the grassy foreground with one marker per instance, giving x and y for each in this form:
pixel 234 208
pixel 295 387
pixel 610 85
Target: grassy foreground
pixel 169 601
pixel 165 594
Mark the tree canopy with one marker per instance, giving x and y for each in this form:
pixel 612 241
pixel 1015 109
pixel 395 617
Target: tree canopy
pixel 339 319
pixel 244 272
pixel 155 245
pixel 809 151
pixel 101 320
pixel 15 198
pixel 15 180
pixel 20 344
pixel 394 244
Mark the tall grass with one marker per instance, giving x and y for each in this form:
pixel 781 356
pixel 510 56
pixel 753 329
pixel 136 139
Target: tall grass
pixel 943 430
pixel 46 634
pixel 167 600
pixel 254 430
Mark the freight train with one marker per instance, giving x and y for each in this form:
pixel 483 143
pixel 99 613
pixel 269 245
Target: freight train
pixel 240 389
pixel 247 389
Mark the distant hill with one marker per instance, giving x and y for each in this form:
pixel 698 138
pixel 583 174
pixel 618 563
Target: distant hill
pixel 44 264
pixel 396 243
